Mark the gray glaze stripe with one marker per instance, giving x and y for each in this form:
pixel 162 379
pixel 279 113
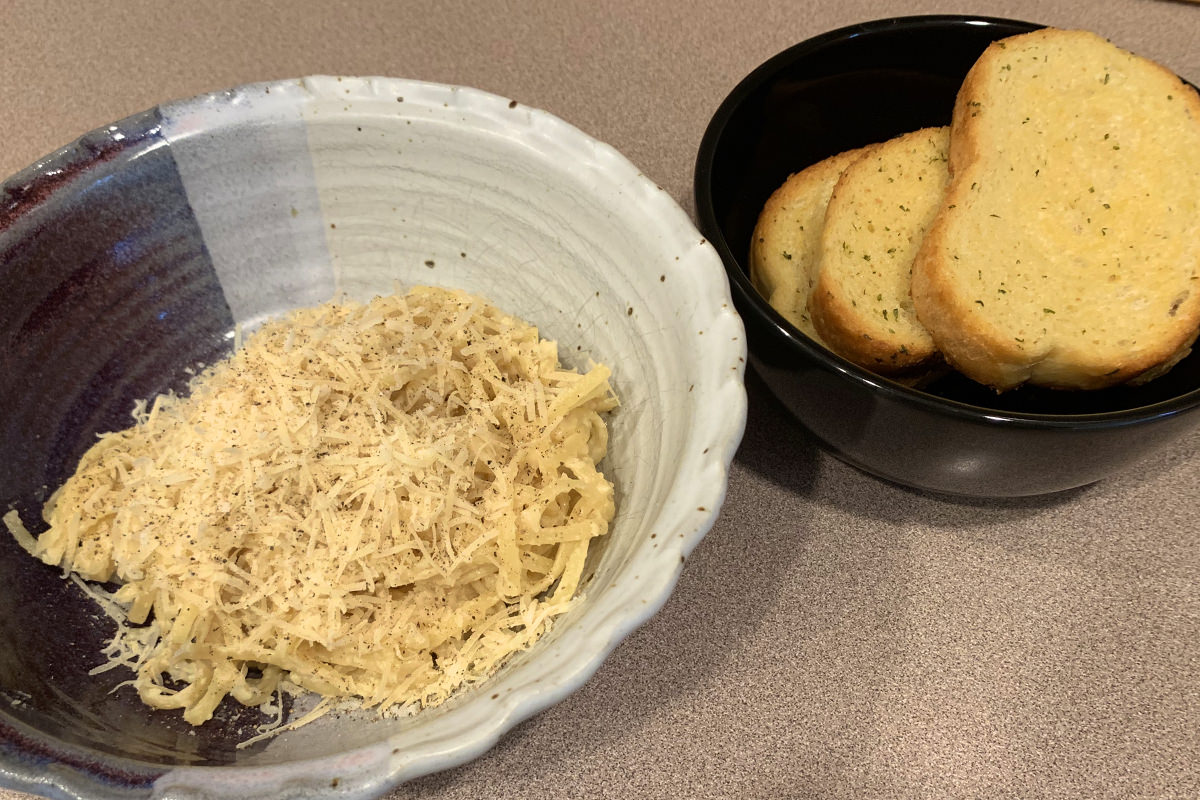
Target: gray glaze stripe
pixel 244 160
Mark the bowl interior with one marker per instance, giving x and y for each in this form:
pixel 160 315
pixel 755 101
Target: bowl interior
pixel 162 234
pixel 842 90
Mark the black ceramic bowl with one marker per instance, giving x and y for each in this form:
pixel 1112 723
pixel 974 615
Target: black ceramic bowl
pixel 851 87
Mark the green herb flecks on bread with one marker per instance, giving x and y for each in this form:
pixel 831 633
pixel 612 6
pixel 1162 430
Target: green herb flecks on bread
pixel 1066 252
pixel 783 249
pixel 877 216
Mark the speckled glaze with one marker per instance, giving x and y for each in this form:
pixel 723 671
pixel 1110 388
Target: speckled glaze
pixel 864 84
pixel 131 255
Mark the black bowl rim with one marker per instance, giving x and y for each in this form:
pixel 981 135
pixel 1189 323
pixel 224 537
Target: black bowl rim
pixel 800 344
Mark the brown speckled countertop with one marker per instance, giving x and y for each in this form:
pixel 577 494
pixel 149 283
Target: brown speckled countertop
pixel 834 636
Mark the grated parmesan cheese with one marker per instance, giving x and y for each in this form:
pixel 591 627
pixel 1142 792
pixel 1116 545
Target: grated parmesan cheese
pixel 380 501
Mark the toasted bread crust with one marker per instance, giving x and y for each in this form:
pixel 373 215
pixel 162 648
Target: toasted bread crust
pixel 1066 252
pixel 877 216
pixel 783 246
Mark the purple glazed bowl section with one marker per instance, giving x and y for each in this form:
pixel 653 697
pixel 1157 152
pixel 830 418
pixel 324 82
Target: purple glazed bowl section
pixel 109 294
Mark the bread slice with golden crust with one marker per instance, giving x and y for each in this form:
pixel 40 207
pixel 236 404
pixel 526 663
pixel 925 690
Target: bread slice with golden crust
pixel 1067 250
pixel 784 244
pixel 876 219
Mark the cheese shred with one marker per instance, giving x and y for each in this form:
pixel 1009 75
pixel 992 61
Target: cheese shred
pixel 379 502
